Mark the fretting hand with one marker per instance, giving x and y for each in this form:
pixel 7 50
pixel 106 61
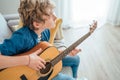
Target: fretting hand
pixel 74 52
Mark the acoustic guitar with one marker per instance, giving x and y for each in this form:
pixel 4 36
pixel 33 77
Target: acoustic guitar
pixel 50 54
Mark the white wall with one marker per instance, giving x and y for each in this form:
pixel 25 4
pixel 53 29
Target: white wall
pixel 9 6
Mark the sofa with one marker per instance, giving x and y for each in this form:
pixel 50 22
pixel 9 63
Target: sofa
pixel 5 31
pixel 9 23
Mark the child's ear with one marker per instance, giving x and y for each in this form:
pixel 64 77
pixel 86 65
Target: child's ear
pixel 36 24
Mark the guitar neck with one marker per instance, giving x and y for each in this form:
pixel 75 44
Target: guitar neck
pixel 70 48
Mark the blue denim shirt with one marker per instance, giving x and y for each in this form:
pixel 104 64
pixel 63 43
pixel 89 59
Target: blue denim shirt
pixel 22 40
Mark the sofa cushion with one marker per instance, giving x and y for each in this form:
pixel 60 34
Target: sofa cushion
pixel 15 27
pixel 5 32
pixel 13 22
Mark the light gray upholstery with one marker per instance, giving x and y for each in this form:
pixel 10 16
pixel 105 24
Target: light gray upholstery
pixel 5 32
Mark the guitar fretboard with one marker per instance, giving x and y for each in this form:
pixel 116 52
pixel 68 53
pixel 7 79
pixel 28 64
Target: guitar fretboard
pixel 70 48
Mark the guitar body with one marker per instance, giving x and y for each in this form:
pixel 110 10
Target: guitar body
pixel 25 73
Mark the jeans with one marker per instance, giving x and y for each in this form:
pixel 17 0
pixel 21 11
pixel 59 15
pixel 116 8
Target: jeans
pixel 73 62
pixel 62 76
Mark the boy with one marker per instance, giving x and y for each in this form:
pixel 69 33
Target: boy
pixel 37 17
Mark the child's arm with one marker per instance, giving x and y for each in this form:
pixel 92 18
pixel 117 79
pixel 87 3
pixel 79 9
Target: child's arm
pixel 32 60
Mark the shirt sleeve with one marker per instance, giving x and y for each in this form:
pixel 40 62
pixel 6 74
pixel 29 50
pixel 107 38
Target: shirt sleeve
pixel 12 46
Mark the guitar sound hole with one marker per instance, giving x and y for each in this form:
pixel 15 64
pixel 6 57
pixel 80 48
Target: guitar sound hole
pixel 47 69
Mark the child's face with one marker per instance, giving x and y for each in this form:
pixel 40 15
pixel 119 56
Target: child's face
pixel 50 20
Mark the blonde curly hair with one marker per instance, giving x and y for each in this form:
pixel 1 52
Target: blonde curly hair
pixel 33 10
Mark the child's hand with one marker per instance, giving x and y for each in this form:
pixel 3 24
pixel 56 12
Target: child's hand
pixel 35 62
pixel 74 52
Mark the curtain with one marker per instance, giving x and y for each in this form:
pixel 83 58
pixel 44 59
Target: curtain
pixel 114 12
pixel 63 10
pixel 76 13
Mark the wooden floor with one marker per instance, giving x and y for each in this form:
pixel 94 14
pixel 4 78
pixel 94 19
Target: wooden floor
pixel 100 56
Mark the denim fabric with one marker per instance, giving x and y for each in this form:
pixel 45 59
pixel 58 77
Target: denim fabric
pixel 61 76
pixel 73 62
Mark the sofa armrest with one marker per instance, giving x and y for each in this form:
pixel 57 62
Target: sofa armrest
pixel 11 17
pixel 12 20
